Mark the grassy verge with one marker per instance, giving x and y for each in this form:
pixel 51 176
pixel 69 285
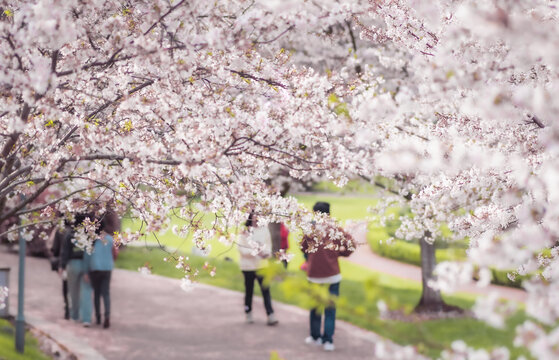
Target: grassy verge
pixel 360 290
pixel 7 347
pixel 405 251
pixel 352 187
pixel 409 253
pixel 343 208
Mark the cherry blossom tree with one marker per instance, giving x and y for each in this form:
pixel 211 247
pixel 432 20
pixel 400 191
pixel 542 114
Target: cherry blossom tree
pixel 191 107
pixel 150 106
pixel 453 101
pixel 471 132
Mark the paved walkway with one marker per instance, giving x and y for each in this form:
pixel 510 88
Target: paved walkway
pixel 365 257
pixel 154 319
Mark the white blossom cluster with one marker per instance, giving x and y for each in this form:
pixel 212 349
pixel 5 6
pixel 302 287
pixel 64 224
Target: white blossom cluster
pixel 461 351
pixel 144 270
pixel 195 107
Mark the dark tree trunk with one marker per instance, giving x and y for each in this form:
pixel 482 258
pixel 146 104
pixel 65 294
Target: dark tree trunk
pixel 431 300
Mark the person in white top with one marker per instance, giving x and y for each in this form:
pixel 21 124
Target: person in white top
pixel 254 246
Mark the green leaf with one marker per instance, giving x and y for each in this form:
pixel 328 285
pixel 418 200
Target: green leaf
pixel 275 356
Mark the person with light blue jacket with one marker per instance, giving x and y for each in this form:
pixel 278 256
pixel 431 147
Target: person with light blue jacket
pixel 72 266
pixel 99 265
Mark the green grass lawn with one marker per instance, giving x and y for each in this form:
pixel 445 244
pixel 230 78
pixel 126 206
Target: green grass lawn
pixel 353 187
pixel 360 290
pixel 405 251
pixel 342 208
pixel 409 253
pixel 7 344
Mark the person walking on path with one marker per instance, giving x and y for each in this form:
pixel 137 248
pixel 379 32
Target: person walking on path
pixel 323 268
pixel 255 245
pixel 58 239
pixel 99 265
pixel 71 261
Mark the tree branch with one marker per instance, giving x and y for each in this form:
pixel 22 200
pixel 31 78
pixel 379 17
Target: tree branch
pixel 11 187
pixel 277 37
pixel 13 137
pixel 163 17
pixel 536 121
pixel 384 187
pixel 17 228
pixel 353 42
pixel 5 181
pixel 278 161
pixel 54 59
pixel 103 107
pixel 410 133
pixel 43 206
pixel 123 157
pixel 12 45
pixel 249 76
pixel 24 203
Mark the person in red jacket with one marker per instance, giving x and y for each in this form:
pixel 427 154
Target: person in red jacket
pixel 323 268
pixel 284 241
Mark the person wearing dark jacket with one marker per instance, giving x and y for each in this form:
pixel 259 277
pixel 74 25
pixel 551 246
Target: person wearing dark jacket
pixel 71 261
pixel 323 268
pixel 56 251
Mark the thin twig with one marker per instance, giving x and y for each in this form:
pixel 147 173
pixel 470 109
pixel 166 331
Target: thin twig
pixel 24 226
pixel 277 37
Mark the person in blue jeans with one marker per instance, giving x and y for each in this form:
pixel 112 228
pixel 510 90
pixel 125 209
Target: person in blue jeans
pixel 323 268
pixel 72 268
pixel 99 265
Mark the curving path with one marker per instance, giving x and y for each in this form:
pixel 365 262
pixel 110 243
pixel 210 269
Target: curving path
pixel 154 319
pixel 364 256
